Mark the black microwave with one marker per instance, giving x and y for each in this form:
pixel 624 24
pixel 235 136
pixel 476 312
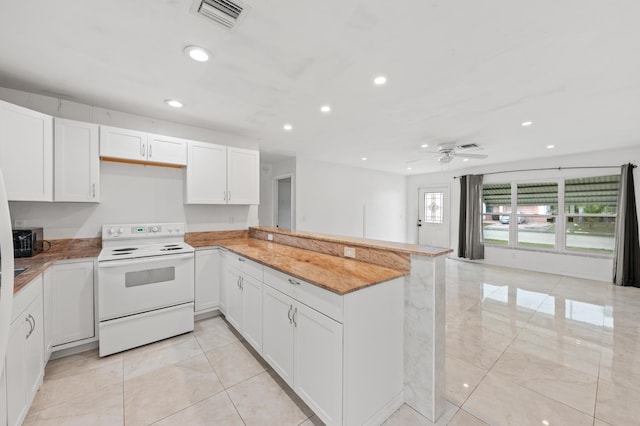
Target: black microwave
pixel 27 242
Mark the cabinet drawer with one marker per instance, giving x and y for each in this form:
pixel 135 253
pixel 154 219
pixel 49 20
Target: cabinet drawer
pixel 26 296
pixel 324 301
pixel 244 265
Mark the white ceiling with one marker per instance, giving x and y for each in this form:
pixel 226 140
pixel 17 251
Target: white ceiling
pixel 458 70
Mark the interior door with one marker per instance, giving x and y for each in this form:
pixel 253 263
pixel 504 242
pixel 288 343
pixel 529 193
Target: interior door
pixel 433 216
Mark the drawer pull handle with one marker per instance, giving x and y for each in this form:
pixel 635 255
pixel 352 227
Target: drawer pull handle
pixel 289 314
pixel 294 282
pixel 293 317
pixel 240 259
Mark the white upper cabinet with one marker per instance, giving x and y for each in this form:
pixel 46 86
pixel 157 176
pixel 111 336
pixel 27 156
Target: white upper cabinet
pixel 218 174
pixel 140 147
pixel 206 181
pixel 26 153
pixel 123 144
pixel 167 150
pixel 77 161
pixel 243 176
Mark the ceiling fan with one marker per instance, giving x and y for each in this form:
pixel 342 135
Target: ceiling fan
pixel 447 151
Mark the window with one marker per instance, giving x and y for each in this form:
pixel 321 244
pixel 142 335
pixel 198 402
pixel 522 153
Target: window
pixel 590 206
pixel 496 211
pixel 565 215
pixel 536 214
pixel 433 207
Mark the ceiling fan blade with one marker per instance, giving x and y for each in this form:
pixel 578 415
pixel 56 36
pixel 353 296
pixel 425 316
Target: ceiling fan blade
pixel 464 155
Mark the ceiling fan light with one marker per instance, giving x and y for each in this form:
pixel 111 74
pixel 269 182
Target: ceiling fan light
pixel 445 159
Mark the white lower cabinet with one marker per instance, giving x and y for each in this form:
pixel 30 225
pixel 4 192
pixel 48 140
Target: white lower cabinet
pixel 317 348
pixel 24 361
pixel 234 298
pixel 243 295
pixel 252 311
pixel 305 348
pixel 72 303
pixel 277 332
pixel 207 280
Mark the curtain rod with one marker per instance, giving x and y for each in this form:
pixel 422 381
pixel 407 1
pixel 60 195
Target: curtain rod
pixel 551 168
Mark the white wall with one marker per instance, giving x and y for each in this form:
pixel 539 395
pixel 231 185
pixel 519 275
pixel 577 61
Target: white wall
pixel 129 192
pixel 597 268
pixel 349 201
pixel 268 172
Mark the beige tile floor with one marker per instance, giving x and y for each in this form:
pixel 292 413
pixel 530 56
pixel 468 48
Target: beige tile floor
pixel 523 348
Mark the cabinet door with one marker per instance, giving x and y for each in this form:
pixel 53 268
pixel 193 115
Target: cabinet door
pixel 47 299
pixel 77 161
pixel 123 144
pixel 243 176
pixel 207 280
pixel 252 311
pixel 34 347
pixel 223 277
pixel 277 332
pixel 167 150
pixel 15 370
pixel 72 302
pixel 318 363
pixel 26 153
pixel 234 298
pixel 206 181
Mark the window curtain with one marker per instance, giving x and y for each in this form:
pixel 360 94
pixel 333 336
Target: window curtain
pixel 470 243
pixel 626 255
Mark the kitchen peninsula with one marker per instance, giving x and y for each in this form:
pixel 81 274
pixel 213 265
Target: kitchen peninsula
pixel 415 273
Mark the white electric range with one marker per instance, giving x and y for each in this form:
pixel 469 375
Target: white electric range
pixel 145 285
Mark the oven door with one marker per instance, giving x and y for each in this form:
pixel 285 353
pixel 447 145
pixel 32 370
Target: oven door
pixel 127 287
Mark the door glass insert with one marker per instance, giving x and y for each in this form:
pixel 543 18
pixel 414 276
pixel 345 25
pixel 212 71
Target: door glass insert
pixel 433 203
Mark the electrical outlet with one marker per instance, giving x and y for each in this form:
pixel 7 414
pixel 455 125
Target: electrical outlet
pixel 350 252
pixel 19 223
pixel 270 237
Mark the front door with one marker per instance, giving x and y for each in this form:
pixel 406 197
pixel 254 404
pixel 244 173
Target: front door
pixel 433 216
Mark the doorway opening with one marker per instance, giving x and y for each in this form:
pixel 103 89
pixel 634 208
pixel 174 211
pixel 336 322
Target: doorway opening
pixel 283 201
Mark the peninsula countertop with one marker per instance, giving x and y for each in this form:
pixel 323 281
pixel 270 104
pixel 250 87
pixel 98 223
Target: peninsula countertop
pixel 337 274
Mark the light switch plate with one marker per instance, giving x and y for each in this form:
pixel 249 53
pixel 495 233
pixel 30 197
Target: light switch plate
pixel 270 237
pixel 350 252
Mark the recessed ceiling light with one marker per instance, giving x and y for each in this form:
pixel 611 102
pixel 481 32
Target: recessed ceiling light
pixel 408 168
pixel 173 103
pixel 527 123
pixel 380 80
pixel 466 385
pixel 325 109
pixel 466 159
pixel 550 146
pixel 288 127
pixel 364 158
pixel 197 53
pixel 424 145
pixel 545 422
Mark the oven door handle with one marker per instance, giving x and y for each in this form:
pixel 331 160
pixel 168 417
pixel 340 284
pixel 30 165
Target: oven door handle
pixel 137 261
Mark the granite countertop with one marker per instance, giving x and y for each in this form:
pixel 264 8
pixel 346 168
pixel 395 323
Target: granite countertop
pixel 360 242
pixel 60 250
pixel 336 274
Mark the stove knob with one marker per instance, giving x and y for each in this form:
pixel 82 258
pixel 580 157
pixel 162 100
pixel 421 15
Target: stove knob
pixel 120 231
pixel 154 229
pixel 111 230
pixel 170 229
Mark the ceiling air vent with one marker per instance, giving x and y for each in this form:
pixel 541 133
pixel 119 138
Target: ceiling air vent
pixel 222 12
pixel 468 146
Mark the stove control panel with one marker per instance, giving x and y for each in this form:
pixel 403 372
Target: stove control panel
pixel 151 230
